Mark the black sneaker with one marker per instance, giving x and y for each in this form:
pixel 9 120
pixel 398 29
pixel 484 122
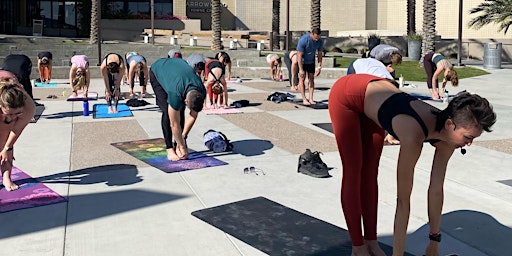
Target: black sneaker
pixel 313 157
pixel 313 170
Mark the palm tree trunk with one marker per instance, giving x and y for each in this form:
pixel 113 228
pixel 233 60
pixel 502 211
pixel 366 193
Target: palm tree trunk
pixel 429 27
pixel 411 17
pixel 216 26
pixel 275 23
pixel 315 14
pixel 94 22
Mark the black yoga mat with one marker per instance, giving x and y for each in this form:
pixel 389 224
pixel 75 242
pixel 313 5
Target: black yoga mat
pixel 278 230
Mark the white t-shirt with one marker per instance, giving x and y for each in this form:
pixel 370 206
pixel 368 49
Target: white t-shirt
pixel 371 66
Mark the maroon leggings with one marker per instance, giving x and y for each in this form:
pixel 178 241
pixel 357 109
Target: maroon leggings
pixel 360 142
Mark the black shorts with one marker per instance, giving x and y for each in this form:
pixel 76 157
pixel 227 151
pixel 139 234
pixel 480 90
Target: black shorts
pixel 309 68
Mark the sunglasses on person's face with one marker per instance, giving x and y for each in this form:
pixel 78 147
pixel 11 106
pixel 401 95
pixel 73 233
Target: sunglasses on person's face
pixel 252 169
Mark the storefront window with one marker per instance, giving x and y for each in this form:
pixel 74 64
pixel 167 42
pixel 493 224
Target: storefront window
pixel 136 9
pixel 58 14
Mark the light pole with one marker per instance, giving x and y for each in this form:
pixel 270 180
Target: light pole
pixel 459 46
pixel 288 34
pixel 152 22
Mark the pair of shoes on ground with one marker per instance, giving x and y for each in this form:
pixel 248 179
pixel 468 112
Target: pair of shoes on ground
pixel 311 164
pixel 51 96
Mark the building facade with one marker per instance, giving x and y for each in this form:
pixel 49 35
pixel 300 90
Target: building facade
pixel 72 18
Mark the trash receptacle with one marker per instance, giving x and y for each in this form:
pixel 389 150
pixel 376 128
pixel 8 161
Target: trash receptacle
pixel 492 55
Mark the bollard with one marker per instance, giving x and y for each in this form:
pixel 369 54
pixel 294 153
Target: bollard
pixel 193 41
pixel 174 40
pixel 233 44
pixel 86 108
pixel 260 46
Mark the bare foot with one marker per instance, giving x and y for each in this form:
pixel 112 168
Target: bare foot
pixel 305 102
pixel 312 102
pixel 374 248
pixel 7 181
pixel 294 88
pixel 171 155
pixel 225 106
pixel 110 111
pixel 114 110
pixel 360 251
pixel 75 95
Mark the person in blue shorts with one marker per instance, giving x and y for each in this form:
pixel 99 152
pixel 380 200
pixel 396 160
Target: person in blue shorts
pixel 177 87
pixel 309 46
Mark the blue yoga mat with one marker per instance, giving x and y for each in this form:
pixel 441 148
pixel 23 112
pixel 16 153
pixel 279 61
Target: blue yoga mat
pixel 101 111
pixel 51 84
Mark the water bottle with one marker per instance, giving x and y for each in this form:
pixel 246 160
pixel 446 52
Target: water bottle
pixel 281 76
pixel 445 97
pixel 86 108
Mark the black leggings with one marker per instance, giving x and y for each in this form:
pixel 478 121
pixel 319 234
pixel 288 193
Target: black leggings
pixel 112 78
pixel 161 101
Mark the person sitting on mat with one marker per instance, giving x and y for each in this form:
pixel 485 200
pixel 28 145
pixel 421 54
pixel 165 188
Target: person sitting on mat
pixel 435 64
pixel 227 62
pixel 275 64
pixel 44 65
pixel 361 108
pixel 177 87
pixel 112 69
pixel 79 75
pixel 16 110
pixel 137 67
pixel 214 76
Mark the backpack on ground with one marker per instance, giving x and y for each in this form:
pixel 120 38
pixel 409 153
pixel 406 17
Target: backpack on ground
pixel 216 141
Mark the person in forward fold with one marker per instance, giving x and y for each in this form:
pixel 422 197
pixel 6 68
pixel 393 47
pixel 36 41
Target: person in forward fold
pixel 44 65
pixel 177 86
pixel 275 64
pixel 309 46
pixel 216 85
pixel 389 55
pixel 361 108
pixel 21 66
pixel 16 111
pixel 79 75
pixel 137 67
pixel 435 64
pixel 112 69
pixel 227 63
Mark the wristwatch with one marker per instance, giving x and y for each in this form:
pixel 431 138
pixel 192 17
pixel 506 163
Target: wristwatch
pixel 8 148
pixel 435 237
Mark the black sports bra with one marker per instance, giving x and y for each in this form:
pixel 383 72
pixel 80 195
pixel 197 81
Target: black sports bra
pixel 398 104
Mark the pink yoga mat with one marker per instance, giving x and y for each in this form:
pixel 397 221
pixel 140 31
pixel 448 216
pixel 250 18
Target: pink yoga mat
pixel 31 193
pixel 221 111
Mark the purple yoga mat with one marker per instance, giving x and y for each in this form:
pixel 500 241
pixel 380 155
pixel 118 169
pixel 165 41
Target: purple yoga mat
pixel 31 193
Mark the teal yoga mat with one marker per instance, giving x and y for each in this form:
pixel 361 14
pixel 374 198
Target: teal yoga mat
pixel 101 111
pixel 51 84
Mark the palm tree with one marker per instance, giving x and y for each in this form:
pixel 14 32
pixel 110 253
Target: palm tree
pixel 275 23
pixel 216 26
pixel 429 27
pixel 493 11
pixel 411 17
pixel 94 22
pixel 315 14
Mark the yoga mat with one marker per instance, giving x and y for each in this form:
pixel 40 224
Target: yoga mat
pixel 278 230
pixel 153 152
pixel 222 111
pixel 318 105
pixel 328 127
pixel 37 115
pixel 51 84
pixel 80 96
pixel 101 111
pixel 31 193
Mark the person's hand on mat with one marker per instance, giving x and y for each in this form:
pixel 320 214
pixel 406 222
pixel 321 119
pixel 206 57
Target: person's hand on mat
pixel 182 151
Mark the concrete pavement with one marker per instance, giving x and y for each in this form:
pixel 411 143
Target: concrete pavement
pixel 118 205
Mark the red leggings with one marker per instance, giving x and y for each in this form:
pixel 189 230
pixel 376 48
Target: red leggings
pixel 360 142
pixel 47 73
